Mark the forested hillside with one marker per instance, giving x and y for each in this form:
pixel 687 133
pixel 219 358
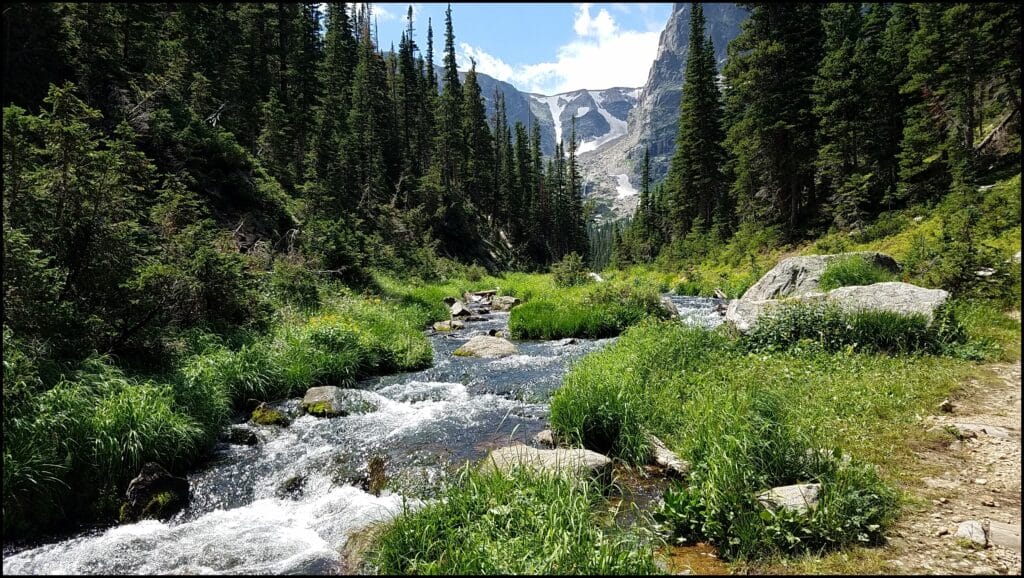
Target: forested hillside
pixel 830 115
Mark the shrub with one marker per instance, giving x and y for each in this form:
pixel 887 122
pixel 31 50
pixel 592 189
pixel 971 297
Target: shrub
pixel 852 270
pixel 570 271
pixel 293 283
pixel 521 523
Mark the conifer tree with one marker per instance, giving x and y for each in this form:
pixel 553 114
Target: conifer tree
pixel 695 175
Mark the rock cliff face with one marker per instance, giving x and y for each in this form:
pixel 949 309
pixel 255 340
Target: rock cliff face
pixel 654 120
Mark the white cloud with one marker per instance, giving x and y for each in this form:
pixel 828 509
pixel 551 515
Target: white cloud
pixel 602 55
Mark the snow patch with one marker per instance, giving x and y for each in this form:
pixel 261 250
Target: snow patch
pixel 556 109
pixel 582 111
pixel 624 188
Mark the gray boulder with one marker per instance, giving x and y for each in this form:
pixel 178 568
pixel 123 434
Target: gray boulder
pixel 972 530
pixel 504 303
pixel 574 463
pixel 798 497
pixel 331 401
pixel 798 276
pixel 546 438
pixel 666 458
pixel 457 309
pixel 154 493
pixel 669 307
pixel 487 346
pixel 894 296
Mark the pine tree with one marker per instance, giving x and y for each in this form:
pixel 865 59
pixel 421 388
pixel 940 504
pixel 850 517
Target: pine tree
pixel 770 74
pixel 479 158
pixel 450 144
pixel 695 175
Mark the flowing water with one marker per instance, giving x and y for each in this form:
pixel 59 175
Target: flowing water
pixel 290 503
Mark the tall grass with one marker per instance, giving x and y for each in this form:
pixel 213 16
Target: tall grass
pixel 832 328
pixel 519 523
pixel 594 311
pixel 852 270
pixel 750 420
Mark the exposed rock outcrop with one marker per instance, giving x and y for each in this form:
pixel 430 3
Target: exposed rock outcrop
pixel 504 303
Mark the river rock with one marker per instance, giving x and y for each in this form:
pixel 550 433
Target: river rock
pixel 242 435
pixel 972 530
pixel 458 309
pixel 666 458
pixel 798 276
pixel 798 497
pixel 573 463
pixel 154 493
pixel 487 346
pixel 505 303
pixel 1004 535
pixel 546 438
pixel 448 325
pixel 669 307
pixel 266 415
pixel 332 401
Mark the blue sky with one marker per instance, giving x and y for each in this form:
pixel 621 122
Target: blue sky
pixel 543 47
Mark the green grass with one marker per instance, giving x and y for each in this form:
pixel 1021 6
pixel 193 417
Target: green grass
pixel 852 270
pixel 750 420
pixel 596 310
pixel 521 523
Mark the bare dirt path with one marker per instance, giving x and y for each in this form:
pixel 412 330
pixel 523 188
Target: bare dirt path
pixel 977 478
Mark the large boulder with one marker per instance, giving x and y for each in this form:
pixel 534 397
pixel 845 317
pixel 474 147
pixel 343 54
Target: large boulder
pixel 893 296
pixel 154 493
pixel 456 308
pixel 504 303
pixel 487 346
pixel 568 462
pixel 666 458
pixel 798 276
pixel 332 401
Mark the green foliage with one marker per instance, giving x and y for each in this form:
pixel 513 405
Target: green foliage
pixel 852 270
pixel 598 310
pixel 521 523
pixel 293 283
pixel 570 271
pixel 832 328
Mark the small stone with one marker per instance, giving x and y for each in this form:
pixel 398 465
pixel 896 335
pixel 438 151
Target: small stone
pixel 988 503
pixel 973 531
pixel 798 497
pixel 942 532
pixel 266 415
pixel 946 406
pixel 546 438
pixel 981 481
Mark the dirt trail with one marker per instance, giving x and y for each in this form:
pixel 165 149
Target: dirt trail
pixel 977 478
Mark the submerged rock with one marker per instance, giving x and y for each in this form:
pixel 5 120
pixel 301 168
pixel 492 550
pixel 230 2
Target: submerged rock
pixel 154 493
pixel 332 401
pixel 266 415
pixel 570 462
pixel 798 497
pixel 487 346
pixel 242 435
pixel 291 488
